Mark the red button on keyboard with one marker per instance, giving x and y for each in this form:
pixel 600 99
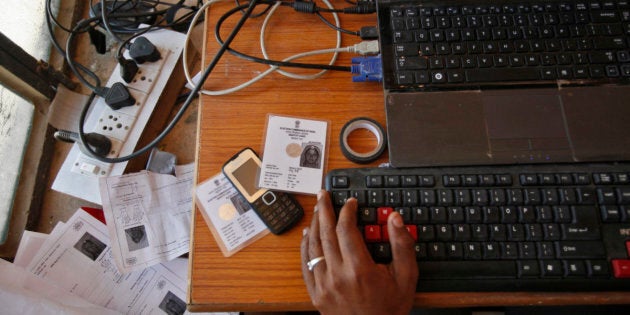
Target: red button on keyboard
pixel 372 233
pixel 383 213
pixel 413 231
pixel 621 268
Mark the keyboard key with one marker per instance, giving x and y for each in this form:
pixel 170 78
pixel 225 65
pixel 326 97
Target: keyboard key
pixel 372 233
pixel 580 249
pixel 367 216
pixel 420 215
pixel 438 77
pixel 621 268
pixel 598 268
pixel 575 268
pixel 552 268
pixel 489 75
pixel 580 231
pixel 382 213
pixel 528 268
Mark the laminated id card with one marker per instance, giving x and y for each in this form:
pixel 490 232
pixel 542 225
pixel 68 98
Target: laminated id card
pixel 294 154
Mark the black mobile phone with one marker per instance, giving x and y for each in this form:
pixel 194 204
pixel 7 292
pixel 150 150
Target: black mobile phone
pixel 278 210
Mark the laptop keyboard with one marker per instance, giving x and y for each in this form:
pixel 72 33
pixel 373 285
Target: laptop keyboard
pixel 436 46
pixel 518 228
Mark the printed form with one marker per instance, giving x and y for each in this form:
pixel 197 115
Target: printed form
pixel 78 259
pixel 148 216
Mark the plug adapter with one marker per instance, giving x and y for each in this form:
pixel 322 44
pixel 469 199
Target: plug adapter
pixel 117 96
pixel 142 50
pixel 128 69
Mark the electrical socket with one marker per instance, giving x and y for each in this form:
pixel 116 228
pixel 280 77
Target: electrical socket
pixel 115 125
pixel 79 175
pixel 147 74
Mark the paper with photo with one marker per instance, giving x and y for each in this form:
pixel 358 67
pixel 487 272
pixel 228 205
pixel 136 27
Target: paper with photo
pixel 294 154
pixel 78 260
pixel 231 220
pixel 148 216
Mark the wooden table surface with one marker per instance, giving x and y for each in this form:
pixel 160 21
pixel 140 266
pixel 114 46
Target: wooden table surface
pixel 266 276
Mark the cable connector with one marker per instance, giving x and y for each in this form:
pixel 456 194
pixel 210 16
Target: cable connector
pixel 304 6
pixel 360 9
pixel 369 69
pixel 368 32
pixel 366 48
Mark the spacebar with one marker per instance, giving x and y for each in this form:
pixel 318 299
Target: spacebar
pixel 466 269
pixel 503 74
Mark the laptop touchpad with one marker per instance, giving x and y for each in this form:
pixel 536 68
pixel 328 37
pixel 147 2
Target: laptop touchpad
pixel 527 126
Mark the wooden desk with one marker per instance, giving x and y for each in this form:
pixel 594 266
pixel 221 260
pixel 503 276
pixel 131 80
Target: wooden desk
pixel 267 275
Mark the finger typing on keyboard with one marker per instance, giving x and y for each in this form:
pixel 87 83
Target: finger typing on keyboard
pixel 340 274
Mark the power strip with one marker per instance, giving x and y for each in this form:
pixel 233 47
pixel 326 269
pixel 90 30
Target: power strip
pixel 79 175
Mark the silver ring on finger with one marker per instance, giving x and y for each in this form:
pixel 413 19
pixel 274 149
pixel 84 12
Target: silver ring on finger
pixel 313 262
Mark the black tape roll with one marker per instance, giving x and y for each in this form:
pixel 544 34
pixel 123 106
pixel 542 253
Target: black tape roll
pixel 362 123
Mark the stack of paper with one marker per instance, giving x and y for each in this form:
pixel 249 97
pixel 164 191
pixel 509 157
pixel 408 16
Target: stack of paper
pixel 128 266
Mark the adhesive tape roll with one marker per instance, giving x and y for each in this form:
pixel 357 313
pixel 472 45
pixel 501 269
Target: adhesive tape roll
pixel 370 125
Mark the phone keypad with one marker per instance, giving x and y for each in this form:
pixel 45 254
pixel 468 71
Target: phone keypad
pixel 281 214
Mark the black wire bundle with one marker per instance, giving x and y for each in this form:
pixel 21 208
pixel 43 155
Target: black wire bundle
pixel 106 16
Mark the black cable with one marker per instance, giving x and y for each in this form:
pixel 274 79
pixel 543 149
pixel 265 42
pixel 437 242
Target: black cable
pixel 180 112
pixel 105 19
pixel 97 88
pixel 57 46
pixel 335 27
pixel 217 35
pixel 238 3
pixel 52 17
pixel 85 23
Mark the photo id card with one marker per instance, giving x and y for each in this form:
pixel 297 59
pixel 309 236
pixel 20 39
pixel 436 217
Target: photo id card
pixel 294 154
pixel 229 216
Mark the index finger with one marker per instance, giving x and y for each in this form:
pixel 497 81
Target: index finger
pixel 351 243
pixel 327 233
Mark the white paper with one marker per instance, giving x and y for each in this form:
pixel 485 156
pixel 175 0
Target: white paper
pixel 232 221
pixel 41 297
pixel 79 261
pixel 30 244
pixel 294 157
pixel 148 216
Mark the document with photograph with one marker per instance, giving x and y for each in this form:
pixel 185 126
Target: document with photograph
pixel 78 259
pixel 148 216
pixel 232 221
pixel 294 155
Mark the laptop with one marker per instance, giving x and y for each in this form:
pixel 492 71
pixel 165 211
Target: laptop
pixel 565 102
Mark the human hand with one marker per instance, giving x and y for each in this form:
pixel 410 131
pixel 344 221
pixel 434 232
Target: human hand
pixel 348 281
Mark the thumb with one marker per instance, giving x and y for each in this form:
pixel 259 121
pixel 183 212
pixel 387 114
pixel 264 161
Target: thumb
pixel 403 265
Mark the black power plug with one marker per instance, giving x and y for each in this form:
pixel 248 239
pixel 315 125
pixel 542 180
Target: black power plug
pixel 100 144
pixel 98 39
pixel 142 50
pixel 117 96
pixel 128 69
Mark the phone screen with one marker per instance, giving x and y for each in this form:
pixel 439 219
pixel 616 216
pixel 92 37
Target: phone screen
pixel 245 174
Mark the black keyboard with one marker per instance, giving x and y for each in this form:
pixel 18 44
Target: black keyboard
pixel 444 44
pixel 517 228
